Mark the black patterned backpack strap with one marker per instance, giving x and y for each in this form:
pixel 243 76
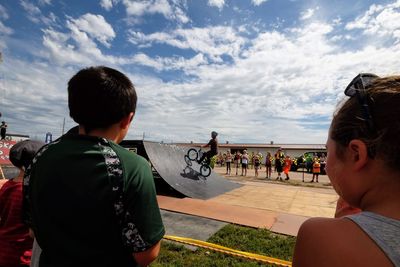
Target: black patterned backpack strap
pixel 130 235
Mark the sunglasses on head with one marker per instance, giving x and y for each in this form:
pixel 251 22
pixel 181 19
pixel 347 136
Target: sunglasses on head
pixel 357 87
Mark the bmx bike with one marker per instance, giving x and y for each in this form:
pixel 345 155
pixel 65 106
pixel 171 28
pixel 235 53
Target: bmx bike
pixel 194 155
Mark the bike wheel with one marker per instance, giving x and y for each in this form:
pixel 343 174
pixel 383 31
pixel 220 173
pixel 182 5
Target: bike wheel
pixel 192 154
pixel 205 170
pixel 187 160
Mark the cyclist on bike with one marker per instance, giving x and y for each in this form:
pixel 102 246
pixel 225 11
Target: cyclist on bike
pixel 213 144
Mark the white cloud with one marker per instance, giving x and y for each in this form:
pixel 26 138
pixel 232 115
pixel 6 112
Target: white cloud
pixel 258 2
pixel 44 2
pixel 4 29
pixel 163 64
pixel 3 13
pixel 268 85
pixel 217 3
pixel 95 26
pixel 35 15
pixel 280 86
pixel 180 15
pixel 286 80
pixel 30 8
pixel 170 11
pixel 212 41
pixel 145 60
pixel 30 92
pixel 308 13
pixel 379 20
pixel 107 4
pixel 77 47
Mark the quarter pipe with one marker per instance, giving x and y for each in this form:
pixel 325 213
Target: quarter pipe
pixel 168 162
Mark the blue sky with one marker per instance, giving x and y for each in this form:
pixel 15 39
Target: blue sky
pixel 254 70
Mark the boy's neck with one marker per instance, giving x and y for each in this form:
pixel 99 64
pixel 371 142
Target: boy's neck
pixel 110 133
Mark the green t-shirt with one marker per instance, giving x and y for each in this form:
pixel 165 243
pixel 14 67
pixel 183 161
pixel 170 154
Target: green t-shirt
pixel 71 194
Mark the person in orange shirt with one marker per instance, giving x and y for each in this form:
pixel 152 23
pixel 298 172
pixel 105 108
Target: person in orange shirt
pixel 286 167
pixel 316 170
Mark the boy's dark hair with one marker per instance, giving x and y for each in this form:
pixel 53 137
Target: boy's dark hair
pixel 99 97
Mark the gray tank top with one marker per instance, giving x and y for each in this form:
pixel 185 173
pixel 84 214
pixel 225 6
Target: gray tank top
pixel 383 230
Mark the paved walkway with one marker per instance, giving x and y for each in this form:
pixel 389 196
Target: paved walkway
pixel 293 196
pixel 278 206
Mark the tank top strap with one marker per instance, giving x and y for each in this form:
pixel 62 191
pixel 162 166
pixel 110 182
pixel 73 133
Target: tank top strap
pixel 384 231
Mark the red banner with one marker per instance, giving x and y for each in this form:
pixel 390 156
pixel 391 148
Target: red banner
pixel 5 147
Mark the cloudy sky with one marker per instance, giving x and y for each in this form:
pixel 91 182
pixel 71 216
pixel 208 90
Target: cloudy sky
pixel 254 70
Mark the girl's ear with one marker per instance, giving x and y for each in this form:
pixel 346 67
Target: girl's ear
pixel 357 153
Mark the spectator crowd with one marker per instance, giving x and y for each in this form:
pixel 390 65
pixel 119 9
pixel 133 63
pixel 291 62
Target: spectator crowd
pixel 279 163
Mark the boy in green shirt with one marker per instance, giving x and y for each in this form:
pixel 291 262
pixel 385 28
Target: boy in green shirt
pixel 89 201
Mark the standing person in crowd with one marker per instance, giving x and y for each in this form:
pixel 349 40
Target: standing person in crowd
pixel 316 170
pixel 279 156
pixel 237 158
pixel 102 197
pixel 15 242
pixel 213 144
pixel 257 164
pixel 251 160
pixel 3 130
pixel 268 165
pixel 245 162
pixel 221 159
pixel 228 160
pixel 363 165
pixel 322 161
pixel 287 163
pixel 309 162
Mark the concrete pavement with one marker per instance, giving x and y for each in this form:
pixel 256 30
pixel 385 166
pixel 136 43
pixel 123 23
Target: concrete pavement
pixel 278 206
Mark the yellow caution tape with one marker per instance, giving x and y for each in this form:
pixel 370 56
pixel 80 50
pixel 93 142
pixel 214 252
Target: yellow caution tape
pixel 215 247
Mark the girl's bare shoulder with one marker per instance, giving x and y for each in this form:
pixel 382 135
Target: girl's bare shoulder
pixel 336 242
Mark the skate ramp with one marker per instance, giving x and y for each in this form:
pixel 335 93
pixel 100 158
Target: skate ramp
pixel 168 161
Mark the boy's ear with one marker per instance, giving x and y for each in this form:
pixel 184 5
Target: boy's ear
pixel 126 121
pixel 358 153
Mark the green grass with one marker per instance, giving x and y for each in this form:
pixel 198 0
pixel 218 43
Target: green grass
pixel 259 241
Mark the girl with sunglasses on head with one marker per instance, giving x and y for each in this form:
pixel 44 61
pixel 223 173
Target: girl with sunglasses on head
pixel 363 164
